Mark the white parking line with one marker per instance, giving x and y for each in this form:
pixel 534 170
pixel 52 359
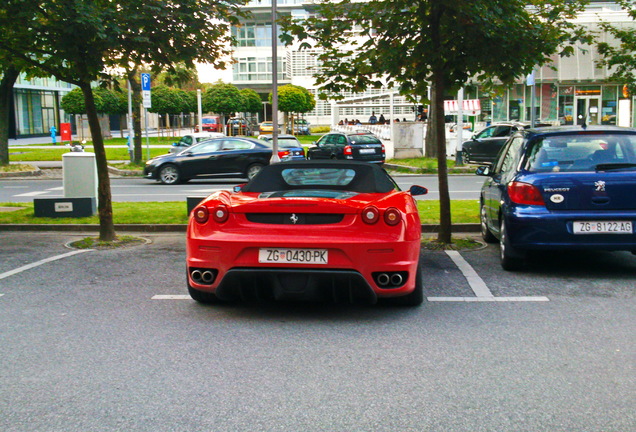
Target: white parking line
pixel 30 194
pixel 489 299
pixel 479 287
pixel 39 263
pixel 476 283
pixel 170 297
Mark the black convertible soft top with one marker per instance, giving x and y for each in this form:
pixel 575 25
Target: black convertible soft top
pixel 359 177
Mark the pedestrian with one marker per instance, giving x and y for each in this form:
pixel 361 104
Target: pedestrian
pixel 373 119
pixel 382 120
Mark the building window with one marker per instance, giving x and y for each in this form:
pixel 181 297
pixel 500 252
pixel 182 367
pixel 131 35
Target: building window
pixel 257 69
pixel 254 35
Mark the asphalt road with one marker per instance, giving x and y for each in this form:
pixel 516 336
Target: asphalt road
pixel 140 189
pixel 108 341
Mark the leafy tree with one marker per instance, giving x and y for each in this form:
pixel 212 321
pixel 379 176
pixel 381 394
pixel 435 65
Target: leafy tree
pixel 622 56
pixel 224 99
pixel 77 40
pixel 252 100
pixel 413 44
pixel 9 73
pixel 170 101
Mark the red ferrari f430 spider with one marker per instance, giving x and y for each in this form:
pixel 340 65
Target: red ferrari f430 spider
pixel 308 230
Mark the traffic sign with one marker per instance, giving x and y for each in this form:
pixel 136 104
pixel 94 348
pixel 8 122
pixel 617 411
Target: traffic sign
pixel 145 90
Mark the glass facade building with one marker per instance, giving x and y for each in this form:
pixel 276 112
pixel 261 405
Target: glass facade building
pixel 36 107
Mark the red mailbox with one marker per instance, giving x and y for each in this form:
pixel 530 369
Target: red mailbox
pixel 65 131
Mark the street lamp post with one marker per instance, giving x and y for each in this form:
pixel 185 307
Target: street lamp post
pixel 275 157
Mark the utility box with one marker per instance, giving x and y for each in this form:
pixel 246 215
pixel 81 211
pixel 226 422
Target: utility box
pixel 80 175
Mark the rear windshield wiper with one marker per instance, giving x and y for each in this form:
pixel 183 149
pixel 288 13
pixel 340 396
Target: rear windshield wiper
pixel 614 166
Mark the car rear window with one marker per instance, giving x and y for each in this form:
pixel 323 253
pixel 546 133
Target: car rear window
pixel 208 121
pixel 364 139
pixel 580 152
pixel 318 176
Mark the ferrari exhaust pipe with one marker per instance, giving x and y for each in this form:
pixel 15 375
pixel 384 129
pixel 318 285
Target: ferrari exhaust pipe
pixel 383 279
pixel 396 279
pixel 207 277
pixel 196 276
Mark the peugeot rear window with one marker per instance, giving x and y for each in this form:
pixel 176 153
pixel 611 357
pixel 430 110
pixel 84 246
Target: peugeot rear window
pixel 581 152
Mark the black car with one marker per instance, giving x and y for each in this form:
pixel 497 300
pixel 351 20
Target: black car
pixel 484 146
pixel 364 147
pixel 219 157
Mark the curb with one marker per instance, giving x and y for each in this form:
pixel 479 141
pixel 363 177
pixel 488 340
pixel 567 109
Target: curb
pixel 36 172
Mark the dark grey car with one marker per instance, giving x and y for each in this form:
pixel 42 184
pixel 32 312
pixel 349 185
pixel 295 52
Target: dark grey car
pixel 485 145
pixel 364 147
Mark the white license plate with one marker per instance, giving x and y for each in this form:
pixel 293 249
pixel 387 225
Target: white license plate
pixel 603 227
pixel 293 256
pixel 367 151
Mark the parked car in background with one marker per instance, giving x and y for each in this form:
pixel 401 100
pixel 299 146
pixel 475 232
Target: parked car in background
pixel 210 123
pixel 308 230
pixel 358 146
pixel 267 127
pixel 193 138
pixel 484 146
pixel 561 188
pixel 237 126
pixel 301 127
pixel 241 157
pixel 287 143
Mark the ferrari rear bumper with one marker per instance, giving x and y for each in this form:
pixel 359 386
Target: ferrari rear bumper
pixel 340 286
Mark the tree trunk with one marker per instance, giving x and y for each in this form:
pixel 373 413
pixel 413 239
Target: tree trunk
pixel 136 109
pixel 437 123
pixel 9 76
pixel 105 206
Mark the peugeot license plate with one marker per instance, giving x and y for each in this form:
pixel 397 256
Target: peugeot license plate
pixel 603 227
pixel 293 256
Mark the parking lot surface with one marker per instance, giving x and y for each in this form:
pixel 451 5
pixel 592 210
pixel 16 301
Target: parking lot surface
pixel 108 340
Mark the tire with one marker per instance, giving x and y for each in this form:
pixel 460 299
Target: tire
pixel 486 234
pixel 202 296
pixel 252 170
pixel 169 175
pixel 465 157
pixel 511 259
pixel 416 297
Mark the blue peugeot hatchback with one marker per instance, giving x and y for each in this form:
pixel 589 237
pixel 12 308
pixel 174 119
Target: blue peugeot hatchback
pixel 561 188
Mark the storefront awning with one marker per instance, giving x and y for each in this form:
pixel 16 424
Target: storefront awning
pixel 470 107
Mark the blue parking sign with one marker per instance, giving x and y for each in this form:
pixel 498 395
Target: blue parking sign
pixel 145 81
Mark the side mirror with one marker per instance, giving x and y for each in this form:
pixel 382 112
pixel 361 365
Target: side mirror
pixel 484 170
pixel 418 190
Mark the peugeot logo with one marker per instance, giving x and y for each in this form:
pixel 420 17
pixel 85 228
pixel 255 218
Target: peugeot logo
pixel 600 186
pixel 293 218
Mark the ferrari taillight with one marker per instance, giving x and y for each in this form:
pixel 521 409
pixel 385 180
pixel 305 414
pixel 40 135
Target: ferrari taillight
pixel 201 214
pixel 392 216
pixel 220 213
pixel 525 193
pixel 370 215
pixel 348 151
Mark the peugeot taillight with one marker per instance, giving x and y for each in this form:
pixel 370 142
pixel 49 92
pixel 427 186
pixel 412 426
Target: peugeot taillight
pixel 370 215
pixel 201 214
pixel 525 193
pixel 220 213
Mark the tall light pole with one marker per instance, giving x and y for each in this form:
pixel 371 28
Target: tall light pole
pixel 275 157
